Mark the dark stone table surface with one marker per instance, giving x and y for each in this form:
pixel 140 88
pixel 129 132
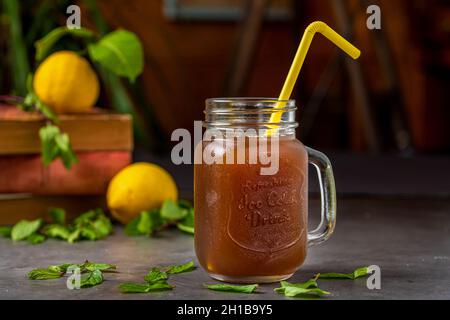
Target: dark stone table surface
pixel 409 239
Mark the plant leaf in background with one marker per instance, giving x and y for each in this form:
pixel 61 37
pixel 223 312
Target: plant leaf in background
pixel 358 273
pixel 18 60
pixel 44 45
pixel 232 288
pixel 119 52
pixel 25 229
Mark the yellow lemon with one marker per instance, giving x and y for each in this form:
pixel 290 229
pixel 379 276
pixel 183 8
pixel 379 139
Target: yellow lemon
pixel 139 187
pixel 66 83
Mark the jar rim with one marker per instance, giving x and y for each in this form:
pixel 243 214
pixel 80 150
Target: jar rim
pixel 258 103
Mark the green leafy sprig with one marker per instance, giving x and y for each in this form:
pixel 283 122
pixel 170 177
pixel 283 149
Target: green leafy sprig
pixel 91 273
pixel 91 225
pixel 171 213
pixel 156 279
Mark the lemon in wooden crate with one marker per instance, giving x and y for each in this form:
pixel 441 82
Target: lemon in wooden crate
pixel 139 187
pixel 66 83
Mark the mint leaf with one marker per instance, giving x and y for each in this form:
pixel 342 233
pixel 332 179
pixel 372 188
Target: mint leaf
pixel 91 279
pixel 297 291
pixel 187 224
pixel 60 268
pixel 172 212
pixel 36 238
pixel 74 236
pixel 232 288
pixel 55 144
pixel 131 229
pixel 155 275
pixel 44 45
pixel 57 231
pixel 66 153
pixel 358 273
pixel 150 222
pixel 119 52
pixel 144 288
pixel 189 266
pixel 5 232
pixel 44 274
pixel 103 226
pixel 24 229
pixel 133 288
pixel 182 203
pixel 159 286
pixel 300 289
pixel 147 223
pixel 91 266
pixel 310 284
pixel 92 225
pixel 58 215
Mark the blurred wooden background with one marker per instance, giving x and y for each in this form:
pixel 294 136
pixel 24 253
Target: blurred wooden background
pixel 188 61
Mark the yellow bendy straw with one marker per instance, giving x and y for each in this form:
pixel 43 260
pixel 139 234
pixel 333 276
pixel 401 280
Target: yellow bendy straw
pixel 310 32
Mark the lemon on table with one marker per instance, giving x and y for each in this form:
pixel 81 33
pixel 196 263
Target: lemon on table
pixel 66 83
pixel 139 187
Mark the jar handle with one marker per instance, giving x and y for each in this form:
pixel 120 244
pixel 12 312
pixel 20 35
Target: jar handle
pixel 328 197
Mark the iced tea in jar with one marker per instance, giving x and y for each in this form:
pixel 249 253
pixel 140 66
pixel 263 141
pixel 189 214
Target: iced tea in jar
pixel 251 192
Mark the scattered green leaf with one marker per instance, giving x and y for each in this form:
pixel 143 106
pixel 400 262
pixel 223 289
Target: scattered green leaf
pixel 149 222
pixel 36 238
pixel 92 278
pixel 144 288
pixel 232 288
pixel 24 229
pixel 358 273
pixel 44 274
pixel 155 275
pixel 172 212
pixel 57 231
pixel 186 267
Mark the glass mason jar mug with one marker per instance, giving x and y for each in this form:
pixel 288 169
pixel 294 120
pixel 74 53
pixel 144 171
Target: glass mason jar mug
pixel 251 215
